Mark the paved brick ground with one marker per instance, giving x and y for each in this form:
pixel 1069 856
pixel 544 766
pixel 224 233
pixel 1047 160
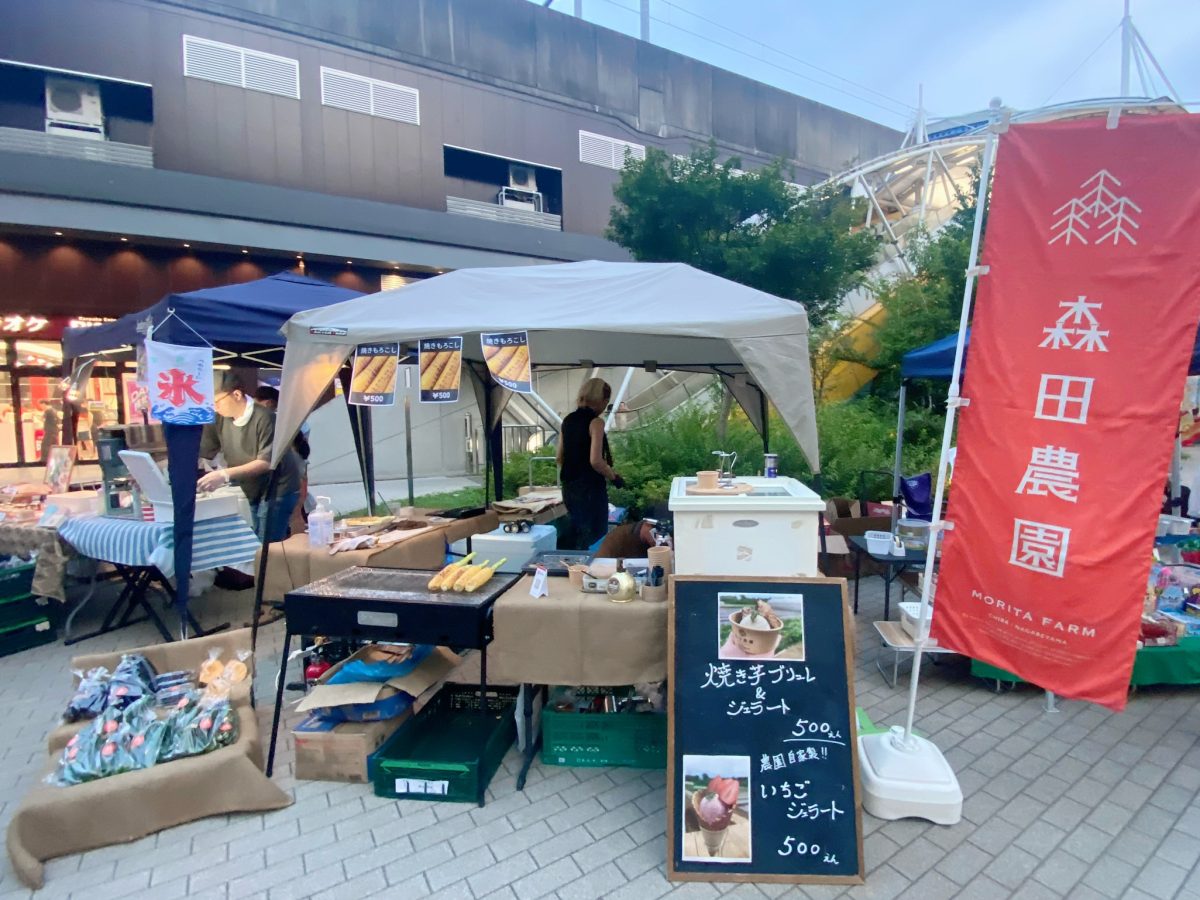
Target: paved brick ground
pixel 1080 804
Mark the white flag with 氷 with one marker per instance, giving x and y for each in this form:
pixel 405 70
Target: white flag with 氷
pixel 180 380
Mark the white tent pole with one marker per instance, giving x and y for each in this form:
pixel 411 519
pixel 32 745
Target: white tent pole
pixel 896 468
pixel 619 398
pixel 1126 49
pixel 952 404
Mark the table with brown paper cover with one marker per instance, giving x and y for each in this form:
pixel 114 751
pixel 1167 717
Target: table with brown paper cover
pixel 21 539
pixel 576 639
pixel 58 821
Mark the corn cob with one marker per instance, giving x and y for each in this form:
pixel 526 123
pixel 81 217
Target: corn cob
pixel 383 377
pixel 437 582
pixel 366 374
pixel 463 574
pixel 433 369
pixel 478 579
pixel 449 373
pixel 517 367
pixel 498 361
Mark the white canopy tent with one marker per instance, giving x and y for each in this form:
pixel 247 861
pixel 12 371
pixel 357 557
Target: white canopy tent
pixel 657 315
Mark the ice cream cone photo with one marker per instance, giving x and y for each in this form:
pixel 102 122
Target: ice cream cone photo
pixel 760 626
pixel 716 818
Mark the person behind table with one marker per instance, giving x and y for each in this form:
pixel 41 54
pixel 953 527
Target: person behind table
pixel 243 434
pixel 586 464
pixel 267 396
pixel 630 540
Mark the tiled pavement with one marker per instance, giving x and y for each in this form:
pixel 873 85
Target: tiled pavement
pixel 1081 803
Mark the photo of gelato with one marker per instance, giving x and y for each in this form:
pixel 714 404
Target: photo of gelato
pixel 716 809
pixel 760 627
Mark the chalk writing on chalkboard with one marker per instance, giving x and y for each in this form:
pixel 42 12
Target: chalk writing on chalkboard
pixel 762 768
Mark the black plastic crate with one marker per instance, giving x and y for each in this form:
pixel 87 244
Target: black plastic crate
pixel 19 610
pixel 26 635
pixel 16 581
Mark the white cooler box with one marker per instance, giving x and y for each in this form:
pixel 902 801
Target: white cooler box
pixel 155 488
pixel 772 531
pixel 518 548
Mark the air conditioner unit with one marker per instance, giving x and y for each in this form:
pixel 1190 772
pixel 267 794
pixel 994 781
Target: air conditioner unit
pixel 523 178
pixel 73 106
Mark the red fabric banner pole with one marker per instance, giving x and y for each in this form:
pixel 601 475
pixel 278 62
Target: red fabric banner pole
pixel 1080 344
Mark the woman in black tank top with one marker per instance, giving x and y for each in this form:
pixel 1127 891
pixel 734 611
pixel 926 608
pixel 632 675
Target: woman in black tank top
pixel 586 465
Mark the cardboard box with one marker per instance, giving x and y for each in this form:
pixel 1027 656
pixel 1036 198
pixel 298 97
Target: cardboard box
pixel 338 751
pixel 368 701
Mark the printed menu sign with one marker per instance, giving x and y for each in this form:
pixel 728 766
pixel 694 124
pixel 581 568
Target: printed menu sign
pixel 507 357
pixel 373 382
pixel 441 369
pixel 762 767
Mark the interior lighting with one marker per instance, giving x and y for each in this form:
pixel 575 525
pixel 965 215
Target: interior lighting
pixel 58 234
pixel 187 245
pixel 125 239
pixel 245 251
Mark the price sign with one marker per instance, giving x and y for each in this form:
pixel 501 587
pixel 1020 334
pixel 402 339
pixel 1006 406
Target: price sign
pixel 762 763
pixel 507 357
pixel 373 382
pixel 441 369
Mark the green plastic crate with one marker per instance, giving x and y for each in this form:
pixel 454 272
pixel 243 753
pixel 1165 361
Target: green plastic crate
pixel 16 581
pixel 25 635
pixel 638 740
pixel 440 752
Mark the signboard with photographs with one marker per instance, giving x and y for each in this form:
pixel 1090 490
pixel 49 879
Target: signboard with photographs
pixel 762 762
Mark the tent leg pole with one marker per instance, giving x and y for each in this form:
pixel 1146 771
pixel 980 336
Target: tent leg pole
pixel 896 468
pixel 408 453
pixel 487 448
pixel 766 422
pixel 260 582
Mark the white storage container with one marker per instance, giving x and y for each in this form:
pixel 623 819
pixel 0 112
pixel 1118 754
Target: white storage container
pixel 1173 525
pixel 518 548
pixel 155 488
pixel 773 530
pixel 911 624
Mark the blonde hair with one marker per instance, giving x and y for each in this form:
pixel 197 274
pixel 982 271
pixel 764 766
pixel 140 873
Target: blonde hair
pixel 595 392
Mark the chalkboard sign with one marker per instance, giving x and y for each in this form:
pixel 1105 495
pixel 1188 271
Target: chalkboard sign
pixel 762 767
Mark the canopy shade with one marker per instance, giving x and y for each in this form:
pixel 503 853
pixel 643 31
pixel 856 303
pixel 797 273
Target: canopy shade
pixel 665 315
pixel 246 314
pixel 936 360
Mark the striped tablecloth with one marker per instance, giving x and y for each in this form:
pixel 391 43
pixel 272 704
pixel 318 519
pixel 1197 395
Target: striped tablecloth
pixel 225 541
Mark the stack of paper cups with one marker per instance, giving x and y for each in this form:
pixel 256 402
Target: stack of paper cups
pixel 662 556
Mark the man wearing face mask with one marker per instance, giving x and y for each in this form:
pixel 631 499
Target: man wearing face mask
pixel 243 434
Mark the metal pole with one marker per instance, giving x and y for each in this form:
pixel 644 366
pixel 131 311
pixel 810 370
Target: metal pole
pixel 1126 49
pixel 935 528
pixel 619 398
pixel 408 454
pixel 896 468
pixel 579 9
pixel 646 21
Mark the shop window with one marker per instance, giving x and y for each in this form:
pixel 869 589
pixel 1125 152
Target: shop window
pixel 8 421
pixel 41 417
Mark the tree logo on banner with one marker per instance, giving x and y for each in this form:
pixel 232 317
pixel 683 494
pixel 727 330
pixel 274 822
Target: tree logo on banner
pixel 1100 206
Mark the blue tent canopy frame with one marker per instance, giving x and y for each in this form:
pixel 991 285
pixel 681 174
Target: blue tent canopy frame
pixel 936 361
pixel 238 317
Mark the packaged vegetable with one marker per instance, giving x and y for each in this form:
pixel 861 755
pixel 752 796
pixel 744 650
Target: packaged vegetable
pixel 132 680
pixel 90 696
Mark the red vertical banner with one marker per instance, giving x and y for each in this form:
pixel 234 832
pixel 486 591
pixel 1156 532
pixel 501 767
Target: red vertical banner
pixel 1082 332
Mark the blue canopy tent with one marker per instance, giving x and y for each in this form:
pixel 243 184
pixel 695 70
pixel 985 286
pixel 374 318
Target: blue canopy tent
pixel 936 361
pixel 242 320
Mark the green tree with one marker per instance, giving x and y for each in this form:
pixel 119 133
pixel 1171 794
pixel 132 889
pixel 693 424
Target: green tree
pixel 752 227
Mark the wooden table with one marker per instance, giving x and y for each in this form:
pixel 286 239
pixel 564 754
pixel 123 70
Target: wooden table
pixel 899 641
pixel 573 638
